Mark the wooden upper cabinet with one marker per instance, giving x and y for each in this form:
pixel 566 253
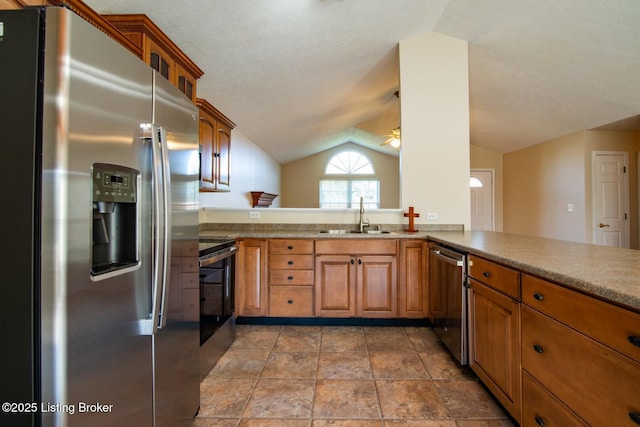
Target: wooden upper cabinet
pixel 215 148
pixel 19 4
pixel 159 51
pixel 84 11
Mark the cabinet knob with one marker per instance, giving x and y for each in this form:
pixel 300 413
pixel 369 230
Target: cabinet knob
pixel 360 261
pixel 290 278
pixel 290 247
pixel 290 301
pixel 635 417
pixel 634 339
pixel 539 420
pixel 538 296
pixel 486 274
pixel 538 348
pixel 352 261
pixel 290 262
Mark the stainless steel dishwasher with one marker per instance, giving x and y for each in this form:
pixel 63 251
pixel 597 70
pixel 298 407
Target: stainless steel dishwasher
pixel 447 274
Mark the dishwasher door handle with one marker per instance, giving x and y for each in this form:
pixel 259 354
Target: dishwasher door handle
pixel 456 262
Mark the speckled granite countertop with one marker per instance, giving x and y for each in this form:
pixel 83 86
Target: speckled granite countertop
pixel 609 273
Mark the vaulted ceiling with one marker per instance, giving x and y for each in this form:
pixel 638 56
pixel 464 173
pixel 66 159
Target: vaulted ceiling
pixel 299 76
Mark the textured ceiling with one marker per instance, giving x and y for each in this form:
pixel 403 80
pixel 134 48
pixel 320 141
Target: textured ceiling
pixel 299 76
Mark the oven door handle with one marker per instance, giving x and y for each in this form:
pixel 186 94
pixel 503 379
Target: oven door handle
pixel 208 261
pixel 449 260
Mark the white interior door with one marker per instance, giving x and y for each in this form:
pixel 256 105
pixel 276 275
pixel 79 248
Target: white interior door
pixel 611 198
pixel 482 199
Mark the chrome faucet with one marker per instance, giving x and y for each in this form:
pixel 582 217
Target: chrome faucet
pixel 362 224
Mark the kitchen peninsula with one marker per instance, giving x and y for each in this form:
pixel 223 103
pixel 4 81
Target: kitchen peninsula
pixel 560 347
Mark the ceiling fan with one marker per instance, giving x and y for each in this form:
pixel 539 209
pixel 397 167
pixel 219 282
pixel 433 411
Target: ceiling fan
pixel 393 138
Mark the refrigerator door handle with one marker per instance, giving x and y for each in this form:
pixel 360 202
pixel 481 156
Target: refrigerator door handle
pixel 166 226
pixel 157 257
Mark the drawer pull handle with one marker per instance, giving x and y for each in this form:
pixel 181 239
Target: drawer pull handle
pixel 290 262
pixel 539 420
pixel 486 274
pixel 538 348
pixel 635 417
pixel 290 247
pixel 634 339
pixel 290 301
pixel 290 278
pixel 538 296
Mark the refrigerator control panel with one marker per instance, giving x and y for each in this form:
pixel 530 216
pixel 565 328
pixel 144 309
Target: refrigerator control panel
pixel 114 183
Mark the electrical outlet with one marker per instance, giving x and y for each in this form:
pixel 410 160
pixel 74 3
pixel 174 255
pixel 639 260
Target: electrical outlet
pixel 432 215
pixel 571 207
pixel 254 214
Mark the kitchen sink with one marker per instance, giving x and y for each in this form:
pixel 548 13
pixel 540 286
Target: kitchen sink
pixel 341 231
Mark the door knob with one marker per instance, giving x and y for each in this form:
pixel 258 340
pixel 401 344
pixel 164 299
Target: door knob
pixel 601 225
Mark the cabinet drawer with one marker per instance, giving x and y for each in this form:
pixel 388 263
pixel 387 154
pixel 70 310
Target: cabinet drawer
pixel 291 246
pixel 600 385
pixel 291 262
pixel 611 325
pixel 290 301
pixel 291 277
pixel 357 246
pixel 495 275
pixel 542 408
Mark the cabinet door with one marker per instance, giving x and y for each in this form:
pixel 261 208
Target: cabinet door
pixel 377 286
pixel 494 344
pixel 207 141
pixel 251 278
pixel 160 61
pixel 412 280
pixel 185 82
pixel 335 286
pixel 222 157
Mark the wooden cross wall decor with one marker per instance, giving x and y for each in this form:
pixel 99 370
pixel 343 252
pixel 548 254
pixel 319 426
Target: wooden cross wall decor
pixel 411 215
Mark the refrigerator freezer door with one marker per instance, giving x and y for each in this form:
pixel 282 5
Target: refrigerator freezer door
pixel 96 95
pixel 177 342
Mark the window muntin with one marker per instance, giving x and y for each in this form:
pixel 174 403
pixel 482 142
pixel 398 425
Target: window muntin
pixel 344 183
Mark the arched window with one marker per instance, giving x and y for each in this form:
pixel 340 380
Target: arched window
pixel 349 162
pixel 346 180
pixel 474 182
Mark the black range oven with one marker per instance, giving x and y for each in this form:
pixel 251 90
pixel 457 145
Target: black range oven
pixel 217 290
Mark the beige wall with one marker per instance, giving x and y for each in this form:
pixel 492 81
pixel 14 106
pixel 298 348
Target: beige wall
pixel 481 158
pixel 540 181
pixel 300 179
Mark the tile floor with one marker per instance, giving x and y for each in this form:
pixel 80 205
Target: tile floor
pixel 316 376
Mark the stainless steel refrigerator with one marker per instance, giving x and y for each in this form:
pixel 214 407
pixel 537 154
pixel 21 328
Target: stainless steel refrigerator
pixel 99 171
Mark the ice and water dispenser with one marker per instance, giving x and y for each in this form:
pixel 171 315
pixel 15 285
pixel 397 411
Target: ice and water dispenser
pixel 115 234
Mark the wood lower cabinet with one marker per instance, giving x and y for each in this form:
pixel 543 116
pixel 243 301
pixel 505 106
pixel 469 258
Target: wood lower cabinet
pixel 494 343
pixel 494 330
pixel 356 278
pixel 583 352
pixel 335 286
pixel 377 286
pixel 369 278
pixel 291 273
pixel 356 285
pixel 413 299
pixel 541 408
pixel 251 278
